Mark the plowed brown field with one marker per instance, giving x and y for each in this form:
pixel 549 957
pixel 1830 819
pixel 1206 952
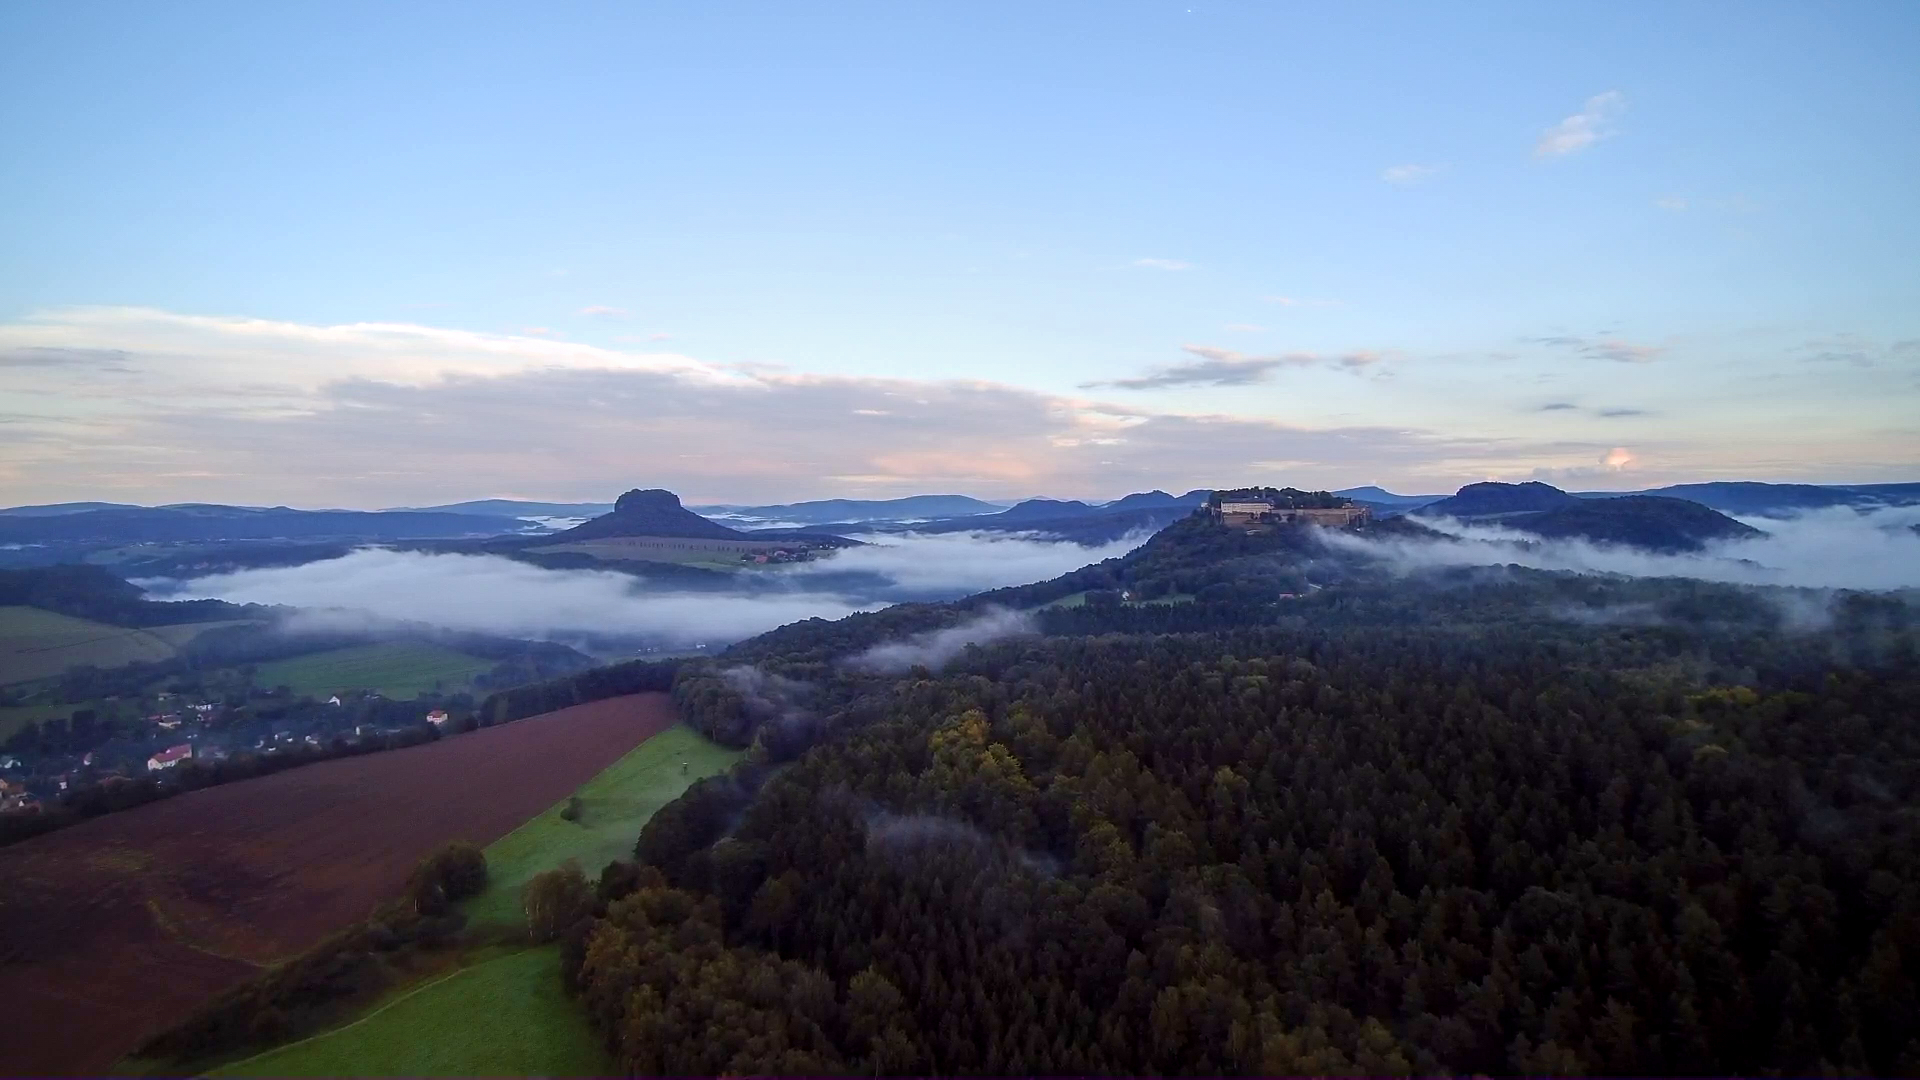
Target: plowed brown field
pixel 120 926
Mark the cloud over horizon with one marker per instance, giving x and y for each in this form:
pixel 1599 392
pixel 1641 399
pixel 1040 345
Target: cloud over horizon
pixel 147 406
pixel 144 406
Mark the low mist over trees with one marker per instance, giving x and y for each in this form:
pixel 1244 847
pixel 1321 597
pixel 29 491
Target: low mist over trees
pixel 1478 822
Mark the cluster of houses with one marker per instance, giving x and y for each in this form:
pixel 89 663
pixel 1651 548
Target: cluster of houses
pixel 178 732
pixel 781 555
pixel 14 794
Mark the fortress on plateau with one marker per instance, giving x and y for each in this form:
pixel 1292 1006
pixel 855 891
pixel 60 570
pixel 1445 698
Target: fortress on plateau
pixel 1249 508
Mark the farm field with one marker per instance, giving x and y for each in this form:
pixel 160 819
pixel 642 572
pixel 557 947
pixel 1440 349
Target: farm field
pixel 505 1017
pixel 722 554
pixel 179 635
pixel 119 926
pixel 424 1031
pixel 401 669
pixel 35 644
pixel 17 717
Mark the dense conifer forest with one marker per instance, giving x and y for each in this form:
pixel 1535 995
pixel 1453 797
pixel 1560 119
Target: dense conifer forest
pixel 1492 821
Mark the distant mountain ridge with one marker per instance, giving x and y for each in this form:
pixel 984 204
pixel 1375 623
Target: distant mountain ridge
pixel 61 509
pixel 830 511
pixel 1764 500
pixel 207 522
pixel 514 508
pixel 1157 499
pixel 1379 496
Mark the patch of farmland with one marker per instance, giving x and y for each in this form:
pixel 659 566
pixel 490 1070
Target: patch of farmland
pixel 425 1031
pixel 613 807
pixel 506 1017
pixel 19 717
pixel 122 925
pixel 178 635
pixel 725 554
pixel 36 644
pixel 398 669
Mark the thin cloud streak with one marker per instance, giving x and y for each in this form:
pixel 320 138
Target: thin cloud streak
pixel 1410 175
pixel 1584 128
pixel 1225 367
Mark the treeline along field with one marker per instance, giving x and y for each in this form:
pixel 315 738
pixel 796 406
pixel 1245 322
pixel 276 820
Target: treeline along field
pixel 119 926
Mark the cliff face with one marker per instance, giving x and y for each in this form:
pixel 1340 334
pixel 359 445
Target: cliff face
pixel 649 512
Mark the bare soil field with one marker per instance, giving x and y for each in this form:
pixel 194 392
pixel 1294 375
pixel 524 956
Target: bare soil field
pixel 120 926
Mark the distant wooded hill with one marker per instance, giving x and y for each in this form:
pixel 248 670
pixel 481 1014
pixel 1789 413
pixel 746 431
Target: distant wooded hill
pixel 513 508
pixel 650 512
pixel 1653 522
pixel 828 511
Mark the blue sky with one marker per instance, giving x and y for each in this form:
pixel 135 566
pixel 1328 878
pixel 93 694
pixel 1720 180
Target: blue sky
pixel 1097 247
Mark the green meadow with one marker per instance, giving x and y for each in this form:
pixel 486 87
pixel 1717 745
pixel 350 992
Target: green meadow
pixel 399 670
pixel 505 1017
pixel 613 807
pixel 509 1015
pixel 36 644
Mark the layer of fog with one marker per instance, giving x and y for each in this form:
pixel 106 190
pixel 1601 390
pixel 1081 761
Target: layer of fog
pixel 934 649
pixel 1835 548
pixel 492 594
pixel 959 564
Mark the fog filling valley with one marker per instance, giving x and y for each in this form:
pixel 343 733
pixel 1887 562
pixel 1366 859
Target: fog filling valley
pixel 1835 548
pixel 492 594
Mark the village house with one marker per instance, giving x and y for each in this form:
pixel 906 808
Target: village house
pixel 438 717
pixel 171 756
pixel 15 796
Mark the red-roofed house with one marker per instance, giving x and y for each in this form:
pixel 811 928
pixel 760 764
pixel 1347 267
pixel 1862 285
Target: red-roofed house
pixel 437 717
pixel 171 756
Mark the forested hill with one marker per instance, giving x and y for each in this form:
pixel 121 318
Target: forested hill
pixel 652 512
pixel 1643 521
pixel 1492 499
pixel 91 592
pixel 1482 821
